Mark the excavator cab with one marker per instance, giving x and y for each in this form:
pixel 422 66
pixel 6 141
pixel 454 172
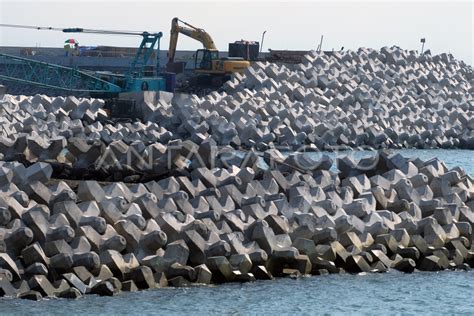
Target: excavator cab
pixel 204 58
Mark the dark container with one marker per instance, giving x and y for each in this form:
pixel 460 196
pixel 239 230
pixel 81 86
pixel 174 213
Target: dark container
pixel 244 49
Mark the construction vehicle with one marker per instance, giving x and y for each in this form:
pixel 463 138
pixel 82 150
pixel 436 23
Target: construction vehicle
pixel 102 84
pixel 208 66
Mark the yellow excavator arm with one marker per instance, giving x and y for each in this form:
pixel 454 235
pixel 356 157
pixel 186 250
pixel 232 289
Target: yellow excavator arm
pixel 194 32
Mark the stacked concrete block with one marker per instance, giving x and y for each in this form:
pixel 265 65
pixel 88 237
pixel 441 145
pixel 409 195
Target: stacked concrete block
pixel 205 226
pixel 388 98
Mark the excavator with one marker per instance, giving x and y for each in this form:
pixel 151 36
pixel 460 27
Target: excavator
pixel 210 70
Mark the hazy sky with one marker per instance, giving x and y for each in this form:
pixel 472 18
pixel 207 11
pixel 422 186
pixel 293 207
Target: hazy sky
pixel 447 26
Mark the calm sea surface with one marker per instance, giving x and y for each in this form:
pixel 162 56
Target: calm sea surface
pixel 442 293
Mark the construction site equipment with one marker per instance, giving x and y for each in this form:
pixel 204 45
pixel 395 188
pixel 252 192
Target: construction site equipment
pixel 98 84
pixel 136 78
pixel 207 60
pixel 29 71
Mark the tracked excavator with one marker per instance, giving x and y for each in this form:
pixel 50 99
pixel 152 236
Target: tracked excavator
pixel 210 70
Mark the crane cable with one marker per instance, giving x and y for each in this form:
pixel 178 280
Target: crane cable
pixel 49 28
pixel 75 30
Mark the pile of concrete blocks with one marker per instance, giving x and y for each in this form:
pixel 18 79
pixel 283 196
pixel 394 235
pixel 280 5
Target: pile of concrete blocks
pixel 387 98
pixel 237 222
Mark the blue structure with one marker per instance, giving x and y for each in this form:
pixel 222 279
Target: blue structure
pixel 136 78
